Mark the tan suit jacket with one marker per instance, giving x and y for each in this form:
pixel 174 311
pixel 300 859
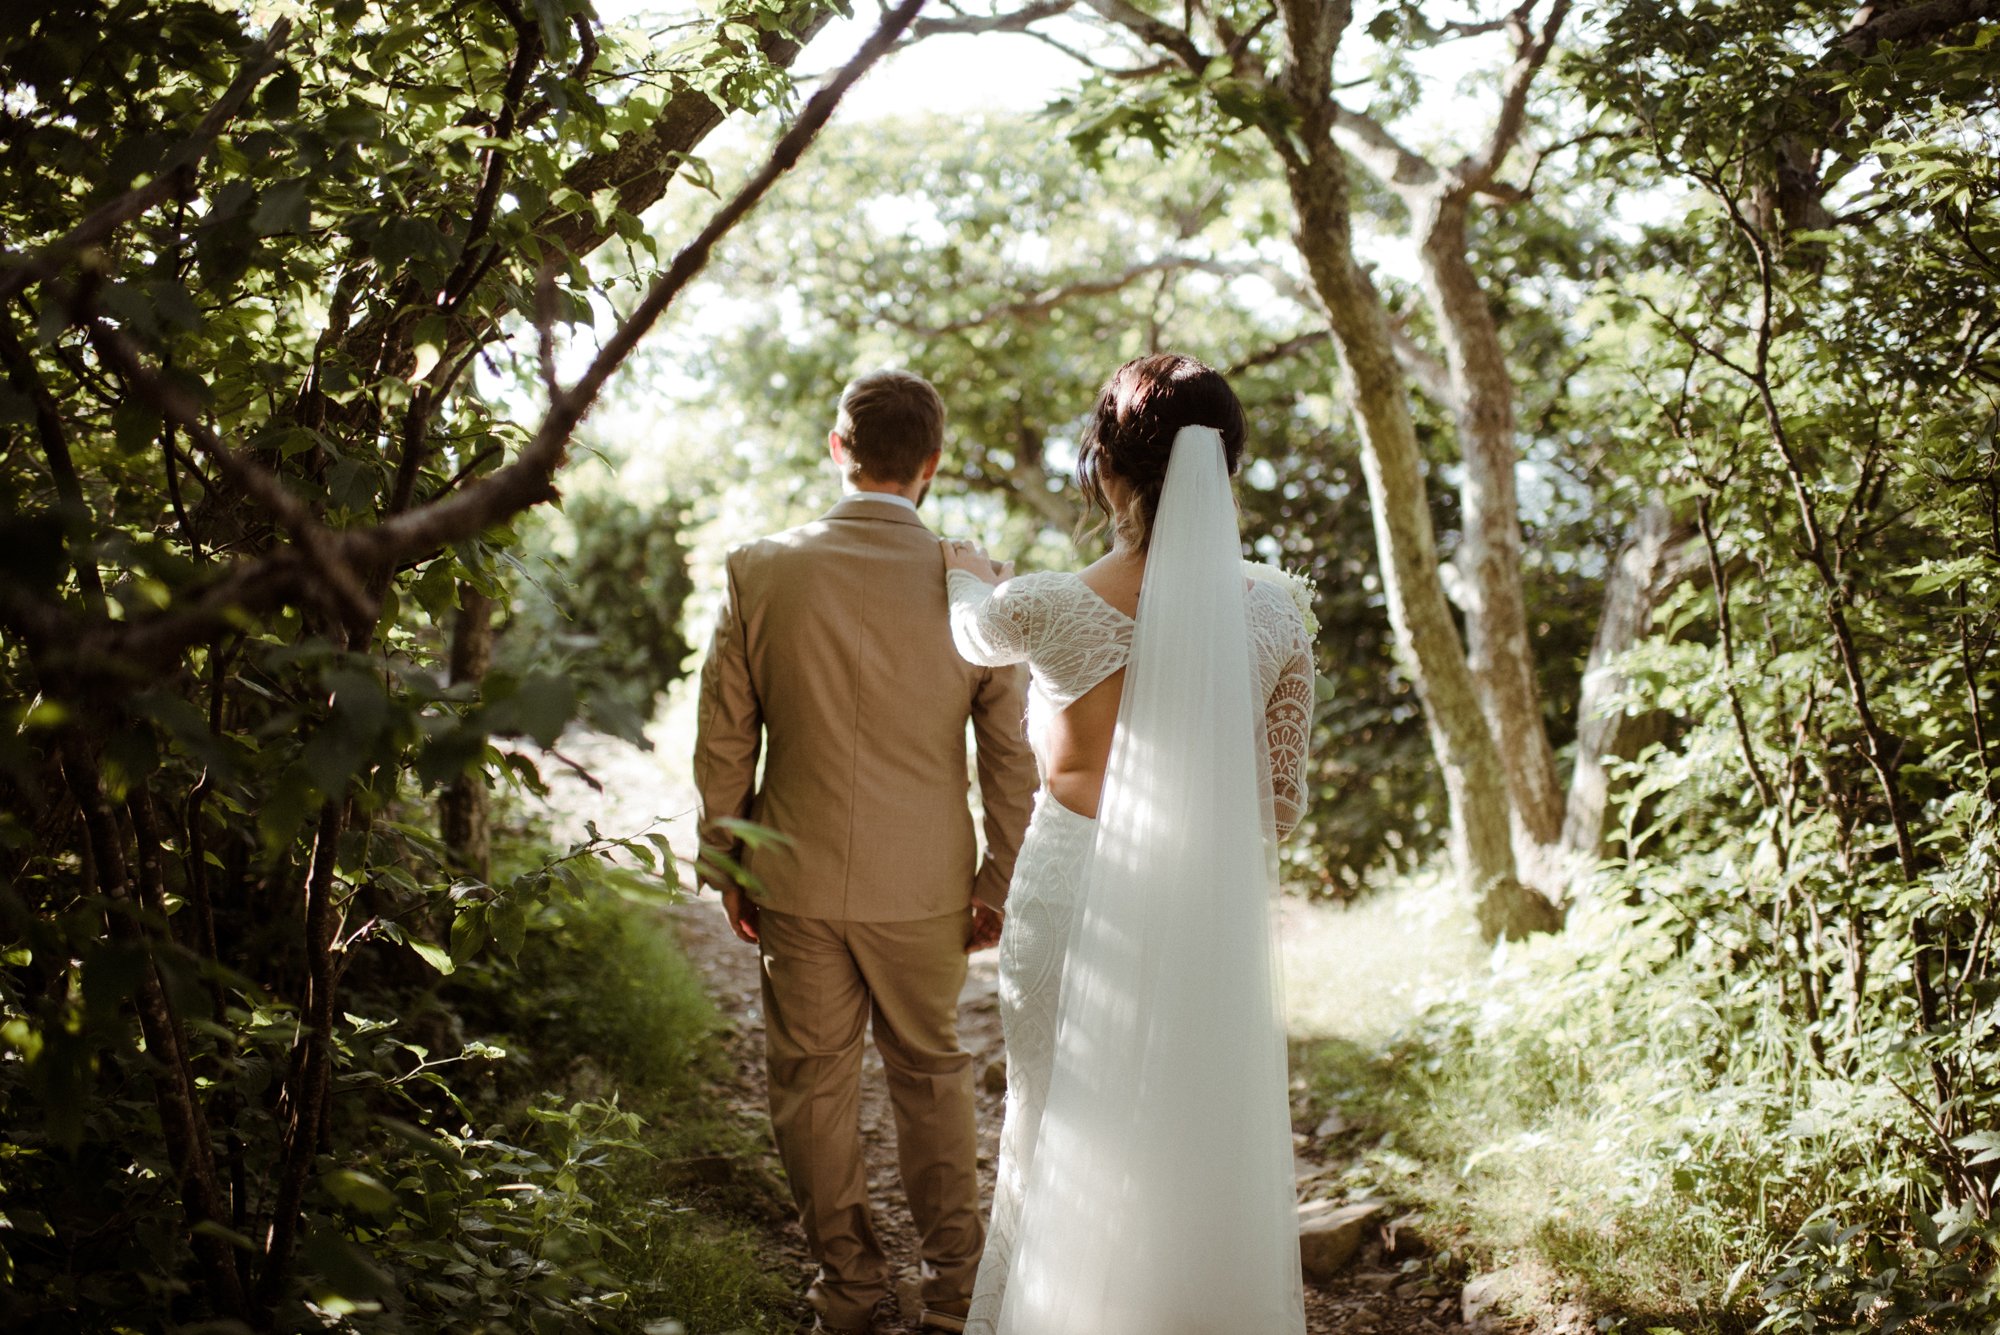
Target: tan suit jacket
pixel 833 652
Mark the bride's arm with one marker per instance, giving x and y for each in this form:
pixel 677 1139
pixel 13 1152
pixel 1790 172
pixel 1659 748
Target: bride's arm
pixel 1288 734
pixel 989 624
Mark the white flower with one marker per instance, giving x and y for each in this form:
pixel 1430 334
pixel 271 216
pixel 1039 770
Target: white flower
pixel 1293 583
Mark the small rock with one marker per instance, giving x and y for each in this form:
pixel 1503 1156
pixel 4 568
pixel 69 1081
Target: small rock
pixel 994 1078
pixel 909 1296
pixel 1333 1124
pixel 1377 1281
pixel 1329 1235
pixel 1483 1295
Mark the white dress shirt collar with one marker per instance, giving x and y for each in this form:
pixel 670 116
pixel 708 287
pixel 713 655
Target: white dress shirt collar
pixel 889 496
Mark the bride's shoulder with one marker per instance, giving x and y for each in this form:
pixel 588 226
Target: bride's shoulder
pixel 1273 593
pixel 1043 579
pixel 1041 585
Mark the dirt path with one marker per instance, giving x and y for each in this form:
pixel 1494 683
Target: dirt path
pixel 1368 1298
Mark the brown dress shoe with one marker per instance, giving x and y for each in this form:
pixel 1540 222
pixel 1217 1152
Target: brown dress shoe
pixel 946 1316
pixel 820 1326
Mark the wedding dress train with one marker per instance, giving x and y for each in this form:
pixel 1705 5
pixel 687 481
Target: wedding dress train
pixel 1144 1185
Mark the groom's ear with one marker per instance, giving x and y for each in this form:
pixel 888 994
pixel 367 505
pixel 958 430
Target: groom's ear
pixel 930 467
pixel 836 449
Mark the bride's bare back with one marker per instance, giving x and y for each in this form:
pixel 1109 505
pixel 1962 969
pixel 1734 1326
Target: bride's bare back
pixel 1075 632
pixel 1077 742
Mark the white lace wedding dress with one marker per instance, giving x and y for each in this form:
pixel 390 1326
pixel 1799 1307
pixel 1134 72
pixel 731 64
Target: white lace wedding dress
pixel 1072 640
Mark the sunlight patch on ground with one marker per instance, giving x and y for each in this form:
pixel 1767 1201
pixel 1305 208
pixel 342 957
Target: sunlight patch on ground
pixel 1361 972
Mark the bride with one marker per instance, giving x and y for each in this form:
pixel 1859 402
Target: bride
pixel 1145 1183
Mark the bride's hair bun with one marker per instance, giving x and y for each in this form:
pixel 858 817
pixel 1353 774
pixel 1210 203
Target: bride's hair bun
pixel 1130 434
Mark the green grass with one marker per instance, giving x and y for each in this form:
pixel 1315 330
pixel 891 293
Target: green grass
pixel 606 1006
pixel 1546 1109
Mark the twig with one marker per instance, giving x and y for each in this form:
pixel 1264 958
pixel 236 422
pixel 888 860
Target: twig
pixel 1277 352
pixel 1016 21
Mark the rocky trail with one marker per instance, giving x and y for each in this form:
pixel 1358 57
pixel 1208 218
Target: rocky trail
pixel 1357 1283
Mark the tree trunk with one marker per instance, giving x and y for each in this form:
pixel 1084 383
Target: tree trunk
pixel 1649 565
pixel 462 810
pixel 1426 639
pixel 1489 554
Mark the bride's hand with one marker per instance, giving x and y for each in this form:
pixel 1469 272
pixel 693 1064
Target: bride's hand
pixel 969 556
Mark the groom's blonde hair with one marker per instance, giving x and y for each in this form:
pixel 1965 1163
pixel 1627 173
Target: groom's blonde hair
pixel 892 421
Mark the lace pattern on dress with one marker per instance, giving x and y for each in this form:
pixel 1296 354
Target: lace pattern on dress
pixel 1072 640
pixel 1282 656
pixel 1048 879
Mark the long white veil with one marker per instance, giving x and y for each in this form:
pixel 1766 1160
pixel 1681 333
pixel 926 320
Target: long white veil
pixel 1161 1200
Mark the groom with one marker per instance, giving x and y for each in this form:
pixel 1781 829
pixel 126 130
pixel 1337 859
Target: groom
pixel 833 652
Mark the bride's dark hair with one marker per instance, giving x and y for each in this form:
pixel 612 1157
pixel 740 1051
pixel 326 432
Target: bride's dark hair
pixel 1130 434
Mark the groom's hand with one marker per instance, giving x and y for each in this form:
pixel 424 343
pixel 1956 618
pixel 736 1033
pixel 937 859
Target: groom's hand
pixel 985 928
pixel 741 911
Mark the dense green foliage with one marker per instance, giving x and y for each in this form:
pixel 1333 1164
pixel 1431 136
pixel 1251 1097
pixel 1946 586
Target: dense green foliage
pixel 265 282
pixel 1754 1085
pixel 600 595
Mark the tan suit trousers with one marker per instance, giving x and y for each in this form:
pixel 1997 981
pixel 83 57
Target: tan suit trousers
pixel 824 980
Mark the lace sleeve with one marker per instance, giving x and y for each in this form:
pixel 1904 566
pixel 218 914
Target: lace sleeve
pixel 989 627
pixel 1288 732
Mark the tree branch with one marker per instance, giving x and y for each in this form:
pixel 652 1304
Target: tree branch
pixel 1531 52
pixel 1041 303
pixel 1277 352
pixel 27 381
pixel 1016 21
pixel 1154 32
pixel 1426 372
pixel 350 602
pixel 175 177
pixel 527 480
pixel 1386 157
pixel 1928 19
pixel 525 57
pixel 639 169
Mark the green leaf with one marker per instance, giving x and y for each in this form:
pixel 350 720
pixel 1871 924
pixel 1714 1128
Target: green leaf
pixel 434 955
pixel 135 426
pixel 281 94
pixel 468 933
pixel 543 705
pixel 359 1191
pixel 345 1268
pixel 285 207
pixel 553 15
pixel 509 924
pixel 1985 1143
